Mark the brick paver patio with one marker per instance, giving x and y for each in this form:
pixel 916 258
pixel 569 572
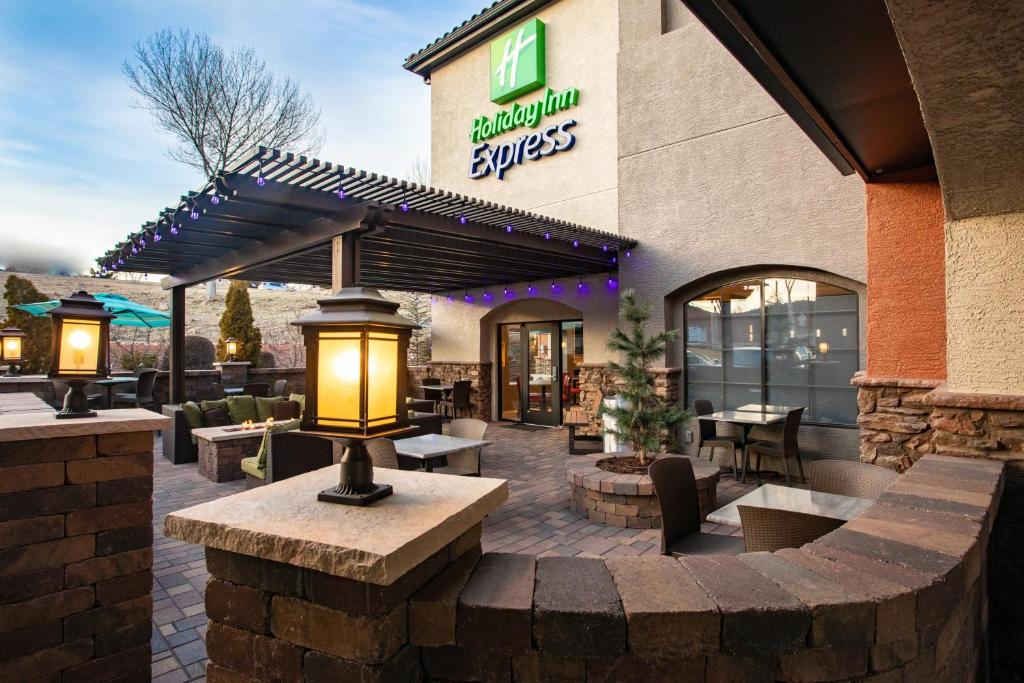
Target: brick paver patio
pixel 536 519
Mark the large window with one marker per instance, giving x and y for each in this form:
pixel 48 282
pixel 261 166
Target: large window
pixel 776 341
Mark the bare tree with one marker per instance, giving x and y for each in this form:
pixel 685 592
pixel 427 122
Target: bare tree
pixel 416 307
pixel 419 172
pixel 218 105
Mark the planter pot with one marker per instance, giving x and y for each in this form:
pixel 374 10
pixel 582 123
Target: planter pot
pixel 611 441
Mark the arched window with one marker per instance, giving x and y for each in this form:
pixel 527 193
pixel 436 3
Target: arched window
pixel 776 341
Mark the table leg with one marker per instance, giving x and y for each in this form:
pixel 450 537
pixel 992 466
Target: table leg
pixel 110 396
pixel 428 465
pixel 572 440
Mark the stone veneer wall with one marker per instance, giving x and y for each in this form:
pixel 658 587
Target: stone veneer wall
pixel 76 557
pixel 450 371
pixel 222 460
pixel 595 379
pixel 899 594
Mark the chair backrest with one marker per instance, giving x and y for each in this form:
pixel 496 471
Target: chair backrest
pixel 279 386
pixel 765 529
pixel 217 389
pixel 432 394
pixel 676 488
pixel 295 453
pixel 460 393
pixel 467 428
pixel 382 452
pixel 256 389
pixel 707 428
pixel 848 478
pixel 791 431
pixel 144 388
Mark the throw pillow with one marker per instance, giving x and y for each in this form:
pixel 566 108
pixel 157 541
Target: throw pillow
pixel 301 400
pixel 286 410
pixel 265 407
pixel 216 417
pixel 193 415
pixel 241 408
pixel 210 405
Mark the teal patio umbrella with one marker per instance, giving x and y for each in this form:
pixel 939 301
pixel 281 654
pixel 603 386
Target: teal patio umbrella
pixel 126 312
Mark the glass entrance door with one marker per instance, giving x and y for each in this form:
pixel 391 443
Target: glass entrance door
pixel 542 404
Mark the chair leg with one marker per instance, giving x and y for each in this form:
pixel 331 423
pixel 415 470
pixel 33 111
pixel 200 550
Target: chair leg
pixel 785 467
pixel 800 467
pixel 735 474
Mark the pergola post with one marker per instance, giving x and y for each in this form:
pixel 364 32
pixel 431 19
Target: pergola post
pixel 177 347
pixel 344 261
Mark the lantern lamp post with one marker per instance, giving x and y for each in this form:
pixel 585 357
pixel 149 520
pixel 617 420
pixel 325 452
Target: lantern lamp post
pixel 356 346
pixel 79 353
pixel 231 348
pixel 12 349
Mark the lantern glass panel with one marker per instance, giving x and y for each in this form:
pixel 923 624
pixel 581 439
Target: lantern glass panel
pixel 12 348
pixel 79 347
pixel 232 348
pixel 382 378
pixel 339 375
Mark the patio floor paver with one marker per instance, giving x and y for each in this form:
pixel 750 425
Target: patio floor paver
pixel 536 519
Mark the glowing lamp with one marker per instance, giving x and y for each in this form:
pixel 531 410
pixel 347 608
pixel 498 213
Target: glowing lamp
pixel 823 347
pixel 11 349
pixel 231 347
pixel 356 346
pixel 80 350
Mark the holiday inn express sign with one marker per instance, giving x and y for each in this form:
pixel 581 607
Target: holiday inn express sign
pixel 517 67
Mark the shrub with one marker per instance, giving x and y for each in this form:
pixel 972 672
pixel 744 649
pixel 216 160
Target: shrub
pixel 36 348
pixel 199 354
pixel 267 360
pixel 133 359
pixel 237 322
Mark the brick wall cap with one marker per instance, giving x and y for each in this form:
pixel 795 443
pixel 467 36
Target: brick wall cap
pixel 25 426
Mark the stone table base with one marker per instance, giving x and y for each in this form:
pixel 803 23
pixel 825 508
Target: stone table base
pixel 628 500
pixel 221 450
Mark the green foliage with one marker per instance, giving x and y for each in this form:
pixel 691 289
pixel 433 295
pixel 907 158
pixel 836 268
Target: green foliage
pixel 237 322
pixel 134 358
pixel 646 422
pixel 36 348
pixel 267 360
pixel 199 354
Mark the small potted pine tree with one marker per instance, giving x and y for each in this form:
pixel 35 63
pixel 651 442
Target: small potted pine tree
pixel 642 420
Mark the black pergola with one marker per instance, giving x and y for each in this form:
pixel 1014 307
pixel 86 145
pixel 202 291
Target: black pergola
pixel 276 216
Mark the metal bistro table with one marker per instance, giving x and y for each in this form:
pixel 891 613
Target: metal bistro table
pixel 746 419
pixel 445 389
pixel 112 382
pixel 430 447
pixel 774 497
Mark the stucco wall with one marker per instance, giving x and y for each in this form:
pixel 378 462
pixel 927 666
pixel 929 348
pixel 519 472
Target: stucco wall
pixel 906 269
pixel 712 174
pixel 577 185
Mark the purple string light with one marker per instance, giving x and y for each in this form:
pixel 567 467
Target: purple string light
pixel 531 290
pixel 488 297
pixel 215 199
pixel 547 235
pixel 575 244
pixel 508 228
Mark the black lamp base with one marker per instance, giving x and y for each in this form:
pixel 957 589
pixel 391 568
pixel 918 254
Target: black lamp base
pixel 76 403
pixel 331 495
pixel 12 371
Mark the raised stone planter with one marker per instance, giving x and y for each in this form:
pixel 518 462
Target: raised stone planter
pixel 628 500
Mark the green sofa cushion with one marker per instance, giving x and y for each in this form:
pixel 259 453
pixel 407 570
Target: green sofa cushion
pixel 301 400
pixel 265 407
pixel 210 405
pixel 241 408
pixel 277 427
pixel 251 465
pixel 193 415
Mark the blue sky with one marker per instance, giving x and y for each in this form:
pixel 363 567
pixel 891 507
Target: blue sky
pixel 80 166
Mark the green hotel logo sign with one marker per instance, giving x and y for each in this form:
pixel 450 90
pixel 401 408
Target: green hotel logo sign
pixel 517 68
pixel 517 62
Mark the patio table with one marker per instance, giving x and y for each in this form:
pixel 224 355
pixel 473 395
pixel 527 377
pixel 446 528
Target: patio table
pixel 430 447
pixel 776 497
pixel 234 391
pixel 745 419
pixel 112 382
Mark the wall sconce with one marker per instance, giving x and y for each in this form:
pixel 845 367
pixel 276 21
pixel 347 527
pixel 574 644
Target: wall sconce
pixel 12 349
pixel 356 348
pixel 823 347
pixel 231 348
pixel 80 350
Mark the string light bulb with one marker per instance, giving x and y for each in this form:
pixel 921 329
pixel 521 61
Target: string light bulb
pixel 508 228
pixel 260 180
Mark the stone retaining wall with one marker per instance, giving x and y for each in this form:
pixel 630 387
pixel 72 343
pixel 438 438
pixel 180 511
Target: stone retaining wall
pixel 898 594
pixel 595 380
pixel 76 557
pixel 479 373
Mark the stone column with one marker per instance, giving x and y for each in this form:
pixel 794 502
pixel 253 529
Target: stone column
pixel 76 540
pixel 233 373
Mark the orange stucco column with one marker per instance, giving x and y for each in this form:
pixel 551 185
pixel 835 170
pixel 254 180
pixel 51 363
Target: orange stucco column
pixel 906 281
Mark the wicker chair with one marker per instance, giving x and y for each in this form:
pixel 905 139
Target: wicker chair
pixel 382 452
pixel 784 451
pixel 676 488
pixel 435 395
pixel 709 436
pixel 465 462
pixel 290 454
pixel 279 387
pixel 256 389
pixel 143 394
pixel 767 529
pixel 850 478
pixel 461 400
